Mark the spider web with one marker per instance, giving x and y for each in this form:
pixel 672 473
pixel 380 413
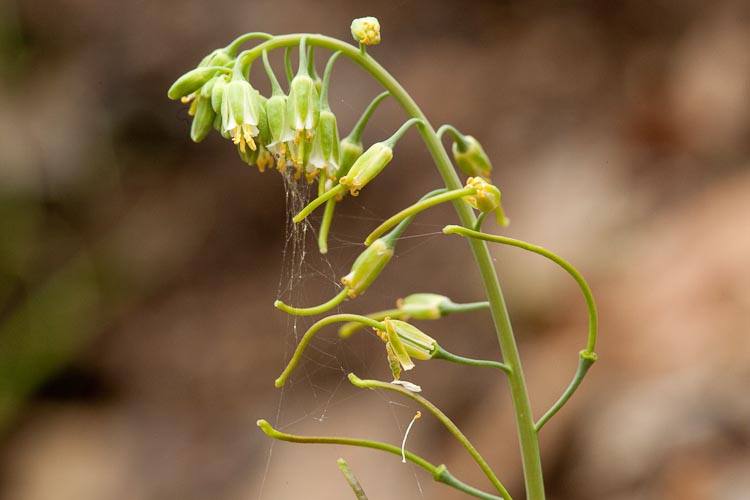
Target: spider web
pixel 319 385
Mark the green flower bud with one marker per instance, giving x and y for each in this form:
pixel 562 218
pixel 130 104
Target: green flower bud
pixel 264 133
pixel 471 158
pixel 203 120
pixel 325 152
pixel 217 93
pixel 190 82
pixel 367 167
pixel 303 107
pixel 368 266
pixel 349 151
pixel 217 126
pixel 423 305
pixel 218 57
pixel 240 112
pixel 366 30
pixel 486 199
pixel 276 112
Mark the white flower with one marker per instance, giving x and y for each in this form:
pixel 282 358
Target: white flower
pixel 240 113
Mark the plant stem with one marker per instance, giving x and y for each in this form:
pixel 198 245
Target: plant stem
pixel 307 337
pixel 312 311
pixel 587 356
pixel 337 190
pixel 414 209
pixel 443 418
pixel 528 439
pixel 439 472
pixel 585 361
pixel 441 353
pixel 567 266
pixel 359 492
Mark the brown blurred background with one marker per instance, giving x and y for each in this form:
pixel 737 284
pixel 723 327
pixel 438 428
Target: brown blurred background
pixel 138 342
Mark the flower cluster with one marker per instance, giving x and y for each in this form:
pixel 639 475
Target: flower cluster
pixel 288 129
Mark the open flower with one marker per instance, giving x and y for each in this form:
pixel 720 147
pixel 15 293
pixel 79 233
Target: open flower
pixel 240 113
pixel 404 341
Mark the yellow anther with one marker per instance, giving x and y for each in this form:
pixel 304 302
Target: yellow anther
pixel 193 107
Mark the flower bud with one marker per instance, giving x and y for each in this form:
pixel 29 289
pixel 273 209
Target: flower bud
pixel 218 57
pixel 349 151
pixel 471 158
pixel 217 93
pixel 276 112
pixel 366 30
pixel 367 267
pixel 422 305
pixel 217 126
pixel 264 133
pixel 190 82
pixel 303 107
pixel 325 152
pixel 367 167
pixel 203 120
pixel 486 199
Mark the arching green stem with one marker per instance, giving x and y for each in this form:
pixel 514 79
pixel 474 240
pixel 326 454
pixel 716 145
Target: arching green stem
pixel 587 356
pixel 356 134
pixel 391 141
pixel 588 296
pixel 275 86
pixel 441 353
pixel 311 69
pixel 457 136
pixel 288 64
pixel 237 42
pixel 585 360
pixel 310 333
pixel 325 226
pixel 480 219
pixel 326 81
pixel 414 209
pixel 311 311
pixel 348 329
pixel 453 307
pixel 439 473
pixel 337 190
pixel 443 418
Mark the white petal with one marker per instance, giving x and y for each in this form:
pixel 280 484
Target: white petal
pixel 407 385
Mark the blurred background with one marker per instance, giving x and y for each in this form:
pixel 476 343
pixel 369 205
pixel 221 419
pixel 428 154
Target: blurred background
pixel 138 342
